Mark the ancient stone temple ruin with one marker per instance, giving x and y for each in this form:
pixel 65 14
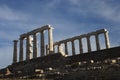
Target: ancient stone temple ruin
pixel 31 43
pixel 52 60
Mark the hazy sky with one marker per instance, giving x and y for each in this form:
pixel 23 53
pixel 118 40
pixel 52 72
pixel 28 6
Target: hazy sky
pixel 68 17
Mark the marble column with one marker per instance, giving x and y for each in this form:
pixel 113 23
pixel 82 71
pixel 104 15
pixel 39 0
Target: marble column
pixel 59 48
pixel 80 46
pixel 21 50
pixel 15 51
pixel 53 48
pixel 66 48
pixel 31 47
pixel 50 40
pixel 97 41
pixel 42 44
pixel 88 43
pixel 107 39
pixel 73 47
pixel 47 49
pixel 28 47
pixel 34 46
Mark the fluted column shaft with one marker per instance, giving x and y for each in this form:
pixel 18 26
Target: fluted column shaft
pixel 66 48
pixel 34 46
pixel 27 48
pixel 107 40
pixel 42 44
pixel 88 44
pixel 47 49
pixel 50 38
pixel 53 48
pixel 80 46
pixel 97 42
pixel 59 48
pixel 15 51
pixel 73 47
pixel 21 50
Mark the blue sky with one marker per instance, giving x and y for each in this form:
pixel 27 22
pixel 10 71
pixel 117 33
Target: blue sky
pixel 68 17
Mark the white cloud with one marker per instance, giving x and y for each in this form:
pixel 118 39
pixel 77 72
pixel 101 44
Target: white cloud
pixel 100 8
pixel 7 13
pixel 105 10
pixel 75 2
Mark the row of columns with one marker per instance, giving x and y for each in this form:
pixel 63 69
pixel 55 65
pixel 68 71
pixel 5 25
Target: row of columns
pixel 49 47
pixel 87 36
pixel 31 45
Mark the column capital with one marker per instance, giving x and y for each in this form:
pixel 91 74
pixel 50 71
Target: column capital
pixel 96 34
pixel 34 33
pixel 21 38
pixel 79 38
pixel 42 31
pixel 59 44
pixel 106 31
pixel 72 40
pixel 15 40
pixel 88 35
pixel 49 26
pixel 65 42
